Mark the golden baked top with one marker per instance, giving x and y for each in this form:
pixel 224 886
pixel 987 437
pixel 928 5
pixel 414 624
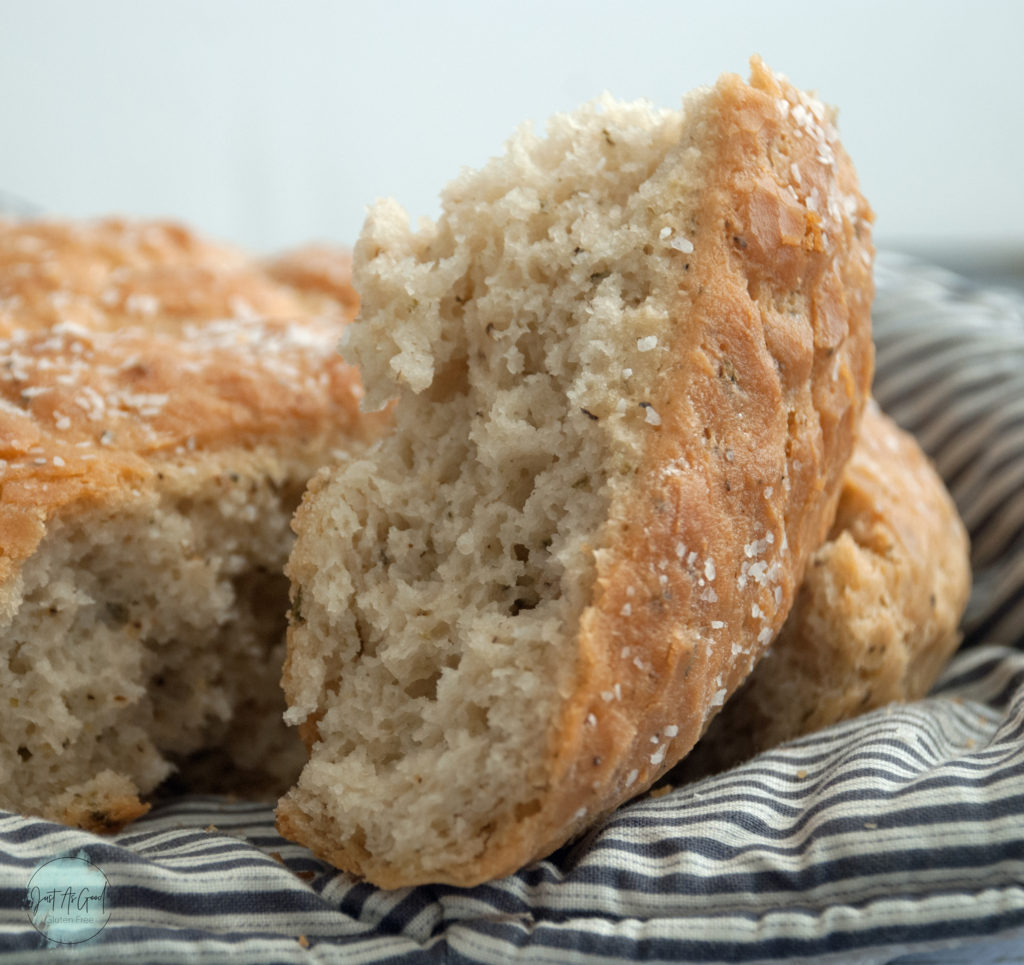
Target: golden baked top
pixel 126 343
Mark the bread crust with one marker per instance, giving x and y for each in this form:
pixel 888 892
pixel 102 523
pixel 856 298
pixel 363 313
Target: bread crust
pixel 755 417
pixel 103 805
pixel 876 617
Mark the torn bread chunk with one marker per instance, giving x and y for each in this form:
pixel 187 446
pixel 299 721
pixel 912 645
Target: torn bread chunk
pixel 626 351
pixel 163 402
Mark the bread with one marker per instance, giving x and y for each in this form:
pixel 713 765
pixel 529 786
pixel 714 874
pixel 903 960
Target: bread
pixel 878 613
pixel 163 401
pixel 625 352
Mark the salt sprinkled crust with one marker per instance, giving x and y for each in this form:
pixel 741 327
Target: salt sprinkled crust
pixel 624 353
pixel 163 401
pixel 878 613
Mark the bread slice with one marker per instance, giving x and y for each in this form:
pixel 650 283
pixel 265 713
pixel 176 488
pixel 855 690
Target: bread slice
pixel 625 353
pixel 163 401
pixel 878 613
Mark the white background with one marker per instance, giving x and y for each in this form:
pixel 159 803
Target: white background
pixel 272 123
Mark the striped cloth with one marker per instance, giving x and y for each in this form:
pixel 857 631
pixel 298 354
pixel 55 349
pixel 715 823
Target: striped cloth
pixel 897 834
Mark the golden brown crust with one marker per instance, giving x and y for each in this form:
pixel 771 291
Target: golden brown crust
pixel 114 273
pixel 877 615
pixel 103 805
pixel 124 344
pixel 320 273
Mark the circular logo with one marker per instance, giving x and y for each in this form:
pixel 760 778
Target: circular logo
pixel 67 899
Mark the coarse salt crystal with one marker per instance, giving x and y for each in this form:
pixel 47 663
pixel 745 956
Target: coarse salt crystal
pixel 240 308
pixel 659 755
pixel 757 547
pixel 141 304
pixel 671 730
pixel 647 343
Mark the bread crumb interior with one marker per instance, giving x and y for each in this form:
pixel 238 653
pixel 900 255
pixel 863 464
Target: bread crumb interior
pixel 144 635
pixel 440 581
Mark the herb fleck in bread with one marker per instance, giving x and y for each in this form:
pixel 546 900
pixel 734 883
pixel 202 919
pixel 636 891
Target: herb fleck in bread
pixel 163 401
pixel 626 352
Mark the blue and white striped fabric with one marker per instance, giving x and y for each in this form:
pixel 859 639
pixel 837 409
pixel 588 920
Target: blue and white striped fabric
pixel 897 834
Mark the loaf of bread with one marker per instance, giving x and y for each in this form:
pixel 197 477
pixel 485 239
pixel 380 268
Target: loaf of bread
pixel 163 401
pixel 626 352
pixel 878 613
